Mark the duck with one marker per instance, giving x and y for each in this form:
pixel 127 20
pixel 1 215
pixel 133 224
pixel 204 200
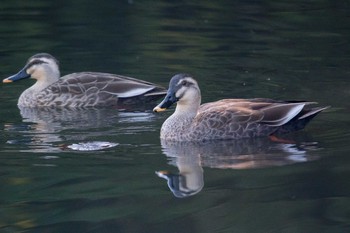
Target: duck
pixel 81 89
pixel 228 118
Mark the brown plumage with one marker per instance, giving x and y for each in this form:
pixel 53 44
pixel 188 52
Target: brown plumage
pixel 227 118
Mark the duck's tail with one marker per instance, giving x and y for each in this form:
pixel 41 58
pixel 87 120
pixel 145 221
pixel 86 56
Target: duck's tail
pixel 300 120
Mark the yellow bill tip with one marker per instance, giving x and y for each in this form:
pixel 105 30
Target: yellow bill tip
pixel 163 172
pixel 159 109
pixel 7 80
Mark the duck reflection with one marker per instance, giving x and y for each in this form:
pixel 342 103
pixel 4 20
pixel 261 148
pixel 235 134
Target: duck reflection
pixel 189 181
pixel 190 157
pixel 41 129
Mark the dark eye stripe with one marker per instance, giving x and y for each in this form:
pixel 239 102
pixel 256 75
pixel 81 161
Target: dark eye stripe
pixel 35 62
pixel 186 83
pixel 43 55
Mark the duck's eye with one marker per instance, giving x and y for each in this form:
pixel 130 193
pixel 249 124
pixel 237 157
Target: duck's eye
pixel 185 83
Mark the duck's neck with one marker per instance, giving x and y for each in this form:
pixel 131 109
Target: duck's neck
pixel 28 97
pixel 38 86
pixel 185 112
pixel 44 78
pixel 180 121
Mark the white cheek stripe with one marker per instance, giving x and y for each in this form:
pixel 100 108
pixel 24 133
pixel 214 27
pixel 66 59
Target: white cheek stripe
pixel 44 59
pixel 180 92
pixel 188 79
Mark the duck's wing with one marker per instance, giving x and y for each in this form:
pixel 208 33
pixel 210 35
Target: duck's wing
pixel 223 112
pixel 122 86
pixel 244 118
pixel 99 89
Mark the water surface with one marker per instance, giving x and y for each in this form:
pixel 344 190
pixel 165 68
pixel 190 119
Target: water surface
pixel 285 50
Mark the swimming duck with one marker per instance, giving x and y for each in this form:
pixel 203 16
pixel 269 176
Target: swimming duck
pixel 84 89
pixel 227 118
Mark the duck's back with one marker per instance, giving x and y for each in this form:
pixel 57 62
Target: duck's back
pixel 92 89
pixel 239 118
pixel 229 119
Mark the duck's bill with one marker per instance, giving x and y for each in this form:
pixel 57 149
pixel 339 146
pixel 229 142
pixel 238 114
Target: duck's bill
pixel 159 109
pixel 164 105
pixel 169 100
pixel 7 80
pixel 162 174
pixel 20 75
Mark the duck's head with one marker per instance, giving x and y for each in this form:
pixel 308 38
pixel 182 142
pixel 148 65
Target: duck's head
pixel 42 67
pixel 184 90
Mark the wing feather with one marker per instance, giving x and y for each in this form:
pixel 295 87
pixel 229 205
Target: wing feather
pixel 90 88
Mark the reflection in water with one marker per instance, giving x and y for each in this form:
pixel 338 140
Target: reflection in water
pixel 47 130
pixel 276 49
pixel 190 157
pixel 189 181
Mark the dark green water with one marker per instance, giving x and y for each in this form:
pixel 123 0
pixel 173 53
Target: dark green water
pixel 275 49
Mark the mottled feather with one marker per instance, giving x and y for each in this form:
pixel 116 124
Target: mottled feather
pixel 83 89
pixel 228 118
